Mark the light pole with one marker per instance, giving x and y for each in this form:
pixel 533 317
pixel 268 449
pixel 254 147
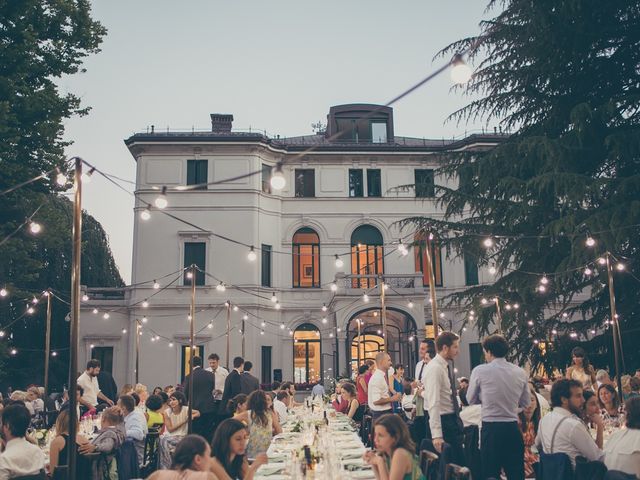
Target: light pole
pixel 616 327
pixel 432 286
pixel 47 344
pixel 192 310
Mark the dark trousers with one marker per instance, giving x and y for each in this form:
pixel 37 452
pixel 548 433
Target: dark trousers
pixel 420 429
pixel 375 414
pixel 203 425
pixel 502 447
pixel 453 434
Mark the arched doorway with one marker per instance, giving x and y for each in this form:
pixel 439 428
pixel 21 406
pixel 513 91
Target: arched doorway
pixel 307 357
pixel 367 255
pixel 306 258
pixel 401 343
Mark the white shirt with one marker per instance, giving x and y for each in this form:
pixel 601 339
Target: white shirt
pixel 221 374
pixel 378 388
pixel 281 410
pixel 91 389
pixel 622 451
pixel 572 436
pixel 437 393
pixel 20 458
pixel 418 367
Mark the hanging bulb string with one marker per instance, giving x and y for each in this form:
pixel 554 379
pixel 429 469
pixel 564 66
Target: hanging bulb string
pixel 44 175
pixel 26 222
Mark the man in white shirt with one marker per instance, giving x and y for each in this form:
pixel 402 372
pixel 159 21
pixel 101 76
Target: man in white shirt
pixel 421 421
pixel 380 399
pixel 441 398
pixel 219 372
pixel 562 430
pixel 89 383
pixel 281 405
pixel 20 457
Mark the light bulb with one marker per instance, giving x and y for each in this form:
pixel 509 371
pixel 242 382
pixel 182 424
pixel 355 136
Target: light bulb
pixel 145 214
pixel 124 330
pixel 245 317
pixel 61 179
pixel 472 312
pixel 145 319
pixel 492 270
pixel 261 332
pixel 324 319
pixel 14 351
pixel 484 301
pixel 544 280
pixel 3 292
pixel 507 307
pixel 144 304
pixel 235 308
pixel 282 326
pixel 593 332
pixel 588 271
pixel 324 307
pixel 488 242
pixel 536 341
pixel 411 338
pixel 339 262
pixel 460 71
pixel 85 298
pixel 161 201
pixel 602 261
pixel 554 331
pixel 95 311
pixel 210 326
pixel 277 305
pixel 331 335
pixel 263 324
pixel 274 299
pixel 365 298
pixel 334 287
pixel 573 334
pixel 34 300
pixel 442 315
pixel 92 346
pixel 156 285
pixel 620 266
pixel 2 334
pixel 590 242
pixel 54 354
pixel 226 304
pixel 542 288
pixel 516 306
pixel 30 310
pixel 251 256
pixel 35 227
pixel 170 344
pixel 464 329
pixel 220 287
pixel 338 329
pixel 410 304
pixel 530 323
pixel 189 275
pixel 379 332
pixel 401 246
pixel 565 315
pixel 277 181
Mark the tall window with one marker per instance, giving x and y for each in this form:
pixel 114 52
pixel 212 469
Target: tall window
pixel 425 185
pixel 105 356
pixel 470 269
pixel 266 364
pixel 266 178
pixel 305 182
pixel 266 265
pixel 195 253
pixel 186 358
pixel 378 132
pixel 374 186
pixel 422 262
pixel 306 354
pixel 197 173
pixel 367 254
pixel 356 187
pixel 306 259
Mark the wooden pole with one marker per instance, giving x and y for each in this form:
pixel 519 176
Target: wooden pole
pixel 383 313
pixel 616 326
pixel 47 344
pixel 358 322
pixel 137 375
pixel 229 333
pixel 432 289
pixel 192 347
pixel 74 330
pixel 499 314
pixel 242 339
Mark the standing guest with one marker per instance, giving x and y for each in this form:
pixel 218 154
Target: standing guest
pixel 107 442
pixel 608 399
pixel 623 447
pixel 229 461
pixel 397 378
pixel 354 409
pixel 262 423
pixel 191 461
pixel 602 378
pixel 59 448
pixel 580 369
pixel 462 391
pixel 502 389
pixel 89 383
pixel 394 457
pixel 362 384
pixel 175 422
pixel 441 399
pixel 107 385
pixel 564 425
pixel 379 397
pixel 203 385
pixel 317 390
pixel 232 385
pixel 281 406
pixel 339 403
pixel 237 404
pixel 529 420
pixel 219 372
pixel 248 383
pixel 153 414
pixel 20 457
pixel 135 425
pixel 421 428
pixel 592 417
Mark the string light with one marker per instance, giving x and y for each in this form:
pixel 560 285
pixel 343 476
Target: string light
pixel 35 227
pixel 620 266
pixel 170 344
pixel 442 315
pixel 484 301
pixel 2 334
pixel 460 71
pixel 590 242
pixel 34 300
pixel 274 299
pixel 161 200
pixel 124 330
pixel 144 303
pixel 31 310
pixel 330 334
pixel 277 306
pixel 602 261
pixel 95 311
pixel 189 275
pixel 530 323
pixel 290 332
pixel 245 317
pixel 235 308
pixel 226 303
pixel 251 256
pixel 365 298
pixel 156 285
pixel 85 298
pixel 410 304
pixel 334 287
pixel 221 287
pixel 411 338
pixel 14 351
pixel 210 325
pixel 3 292
pixel 516 306
pixel 338 329
pixel 544 280
pixel 593 332
pixel 542 288
pixel 588 271
pixel 507 307
pixel 554 331
pixel 92 346
pixel 145 214
pixel 61 179
pixel 261 332
pixel 263 324
pixel 339 262
pixel 488 242
pixel 324 307
pixel 145 319
pixel 277 181
pixel 472 312
pixel 54 354
pixel 573 334
pixel 324 319
pixel 492 270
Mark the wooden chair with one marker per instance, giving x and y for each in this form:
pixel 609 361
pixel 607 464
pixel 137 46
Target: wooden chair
pixel 456 472
pixel 150 460
pixel 365 429
pixel 429 464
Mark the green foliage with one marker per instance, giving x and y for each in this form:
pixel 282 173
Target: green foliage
pixel 564 76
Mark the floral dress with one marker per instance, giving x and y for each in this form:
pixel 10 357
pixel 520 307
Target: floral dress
pixel 529 437
pixel 259 436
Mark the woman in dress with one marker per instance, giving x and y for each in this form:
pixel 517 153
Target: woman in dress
pixel 608 400
pixel 394 457
pixel 354 410
pixel 175 426
pixel 528 420
pixel 229 460
pixel 580 369
pixel 59 448
pixel 191 461
pixel 154 414
pixel 398 375
pixel 262 423
pixel 591 416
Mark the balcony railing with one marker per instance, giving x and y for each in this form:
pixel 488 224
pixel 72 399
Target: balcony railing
pixel 402 283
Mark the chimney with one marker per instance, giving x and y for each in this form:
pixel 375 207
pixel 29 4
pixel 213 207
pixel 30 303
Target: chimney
pixel 221 122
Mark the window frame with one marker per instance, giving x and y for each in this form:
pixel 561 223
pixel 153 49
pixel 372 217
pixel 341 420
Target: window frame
pixel 200 277
pixel 470 261
pixel 315 259
pixel 196 162
pixel 266 255
pixel 379 174
pixel 420 259
pixel 352 172
pixel 266 183
pixel 303 193
pixel 425 190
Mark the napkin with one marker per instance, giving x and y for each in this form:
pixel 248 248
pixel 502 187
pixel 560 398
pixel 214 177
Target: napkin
pixel 271 468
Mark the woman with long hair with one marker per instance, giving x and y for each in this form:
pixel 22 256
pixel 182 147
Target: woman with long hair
pixel 394 457
pixel 176 419
pixel 608 400
pixel 59 448
pixel 354 410
pixel 591 415
pixel 229 460
pixel 237 404
pixel 528 420
pixel 580 369
pixel 191 461
pixel 261 421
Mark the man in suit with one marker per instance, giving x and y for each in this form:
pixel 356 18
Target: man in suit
pixel 203 387
pixel 248 383
pixel 232 385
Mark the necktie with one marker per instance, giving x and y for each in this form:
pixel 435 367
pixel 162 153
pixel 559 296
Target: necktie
pixel 214 378
pixel 454 397
pixel 420 374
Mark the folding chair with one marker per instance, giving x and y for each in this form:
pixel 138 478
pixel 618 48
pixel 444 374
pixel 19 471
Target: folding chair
pixel 429 464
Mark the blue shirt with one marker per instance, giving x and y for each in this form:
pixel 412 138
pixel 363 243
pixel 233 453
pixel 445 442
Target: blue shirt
pixel 317 390
pixel 501 388
pixel 135 426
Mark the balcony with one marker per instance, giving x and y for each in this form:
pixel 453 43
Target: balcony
pixel 399 284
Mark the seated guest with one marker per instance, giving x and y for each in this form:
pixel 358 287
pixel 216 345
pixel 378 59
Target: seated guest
pixel 135 425
pixel 529 420
pixel 634 383
pixel 142 392
pixel 175 419
pixel 169 389
pixel 153 414
pixel 238 404
pixel 59 448
pixel 339 404
pixel 20 457
pixel 262 423
pixel 602 378
pixel 107 442
pixel 34 397
pixel 281 406
pixel 394 456
pixel 165 400
pixel 564 421
pixel 291 388
pixel 354 410
pixel 229 460
pixel 608 399
pixel 127 389
pixel 591 415
pixel 462 391
pixel 157 390
pixel 623 447
pixel 191 461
